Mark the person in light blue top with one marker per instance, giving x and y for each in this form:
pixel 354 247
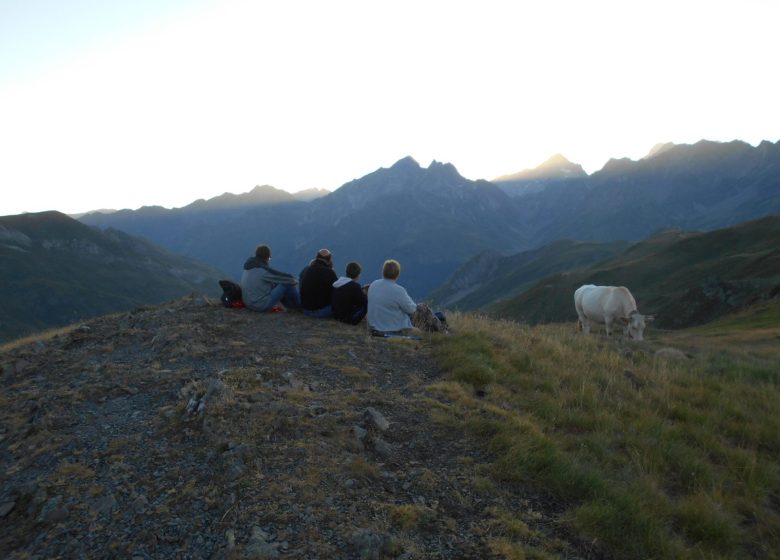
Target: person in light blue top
pixel 389 306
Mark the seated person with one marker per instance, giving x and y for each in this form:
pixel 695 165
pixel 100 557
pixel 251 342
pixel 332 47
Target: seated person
pixel 349 303
pixel 389 306
pixel 263 287
pixel 317 285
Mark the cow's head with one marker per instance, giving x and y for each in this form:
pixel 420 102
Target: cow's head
pixel 635 324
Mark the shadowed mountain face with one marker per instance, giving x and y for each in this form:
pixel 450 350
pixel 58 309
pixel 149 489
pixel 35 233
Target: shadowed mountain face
pixel 683 278
pixel 706 186
pixel 433 220
pixel 489 276
pixel 430 219
pixel 55 270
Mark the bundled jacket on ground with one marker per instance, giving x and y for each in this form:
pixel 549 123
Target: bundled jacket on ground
pixel 257 281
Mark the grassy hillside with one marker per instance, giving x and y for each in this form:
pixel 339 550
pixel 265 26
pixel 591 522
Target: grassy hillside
pixel 684 278
pixel 482 280
pixel 55 270
pixel 668 455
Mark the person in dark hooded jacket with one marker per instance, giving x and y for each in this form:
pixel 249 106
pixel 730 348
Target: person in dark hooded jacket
pixel 263 287
pixel 349 302
pixel 317 285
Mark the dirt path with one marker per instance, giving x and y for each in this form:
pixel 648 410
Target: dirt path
pixel 316 441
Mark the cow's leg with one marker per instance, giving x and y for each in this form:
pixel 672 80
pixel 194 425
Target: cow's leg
pixel 585 325
pixel 608 325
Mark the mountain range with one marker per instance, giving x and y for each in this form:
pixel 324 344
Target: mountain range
pixel 433 220
pixel 55 271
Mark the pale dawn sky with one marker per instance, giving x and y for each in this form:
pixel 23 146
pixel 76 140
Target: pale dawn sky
pixel 160 102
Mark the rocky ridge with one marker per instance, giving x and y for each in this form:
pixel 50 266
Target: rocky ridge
pixel 188 430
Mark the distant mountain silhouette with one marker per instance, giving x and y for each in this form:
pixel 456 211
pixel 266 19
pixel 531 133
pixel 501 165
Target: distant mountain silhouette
pixel 535 180
pixel 707 185
pixel 221 231
pixel 311 194
pixel 55 270
pixel 433 219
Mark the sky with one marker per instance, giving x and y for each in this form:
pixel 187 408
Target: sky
pixel 129 103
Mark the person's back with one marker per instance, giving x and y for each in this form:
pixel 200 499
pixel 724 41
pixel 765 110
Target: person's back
pixel 389 306
pixel 317 285
pixel 263 287
pixel 349 303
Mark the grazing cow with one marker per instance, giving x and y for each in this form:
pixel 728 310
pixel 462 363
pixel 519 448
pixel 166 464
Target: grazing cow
pixel 609 304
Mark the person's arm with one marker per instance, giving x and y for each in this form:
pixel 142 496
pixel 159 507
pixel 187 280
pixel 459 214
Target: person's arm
pixel 280 277
pixel 406 303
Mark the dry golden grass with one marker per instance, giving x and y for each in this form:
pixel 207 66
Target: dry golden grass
pixel 656 458
pixel 359 467
pixel 37 337
pixel 412 516
pixel 354 373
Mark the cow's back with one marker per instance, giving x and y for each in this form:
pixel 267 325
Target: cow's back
pixel 600 302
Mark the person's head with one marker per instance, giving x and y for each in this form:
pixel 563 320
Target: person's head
pixel 324 256
pixel 353 270
pixel 263 252
pixel 391 269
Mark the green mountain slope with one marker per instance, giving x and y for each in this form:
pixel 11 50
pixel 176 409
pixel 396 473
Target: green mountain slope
pixel 684 278
pixel 55 270
pixel 490 276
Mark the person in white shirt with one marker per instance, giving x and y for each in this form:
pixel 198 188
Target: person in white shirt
pixel 389 306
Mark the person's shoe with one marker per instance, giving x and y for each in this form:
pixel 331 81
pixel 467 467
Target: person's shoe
pixel 276 309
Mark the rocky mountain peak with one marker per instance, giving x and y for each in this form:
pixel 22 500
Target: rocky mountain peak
pixel 555 167
pixel 407 162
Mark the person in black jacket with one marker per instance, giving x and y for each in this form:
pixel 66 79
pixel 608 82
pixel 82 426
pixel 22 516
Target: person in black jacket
pixel 317 285
pixel 349 301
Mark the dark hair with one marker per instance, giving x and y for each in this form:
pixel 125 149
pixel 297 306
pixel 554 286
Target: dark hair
pixel 353 270
pixel 263 252
pixel 391 269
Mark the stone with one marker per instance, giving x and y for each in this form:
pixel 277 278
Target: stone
pixel 103 505
pixel 373 546
pixel 359 433
pixel 6 508
pixel 386 450
pixel 53 511
pixel 259 548
pixel 376 419
pixel 230 537
pixel 235 469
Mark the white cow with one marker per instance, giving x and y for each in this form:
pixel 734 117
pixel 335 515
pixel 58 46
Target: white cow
pixel 609 304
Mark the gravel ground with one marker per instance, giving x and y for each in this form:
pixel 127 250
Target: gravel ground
pixel 188 430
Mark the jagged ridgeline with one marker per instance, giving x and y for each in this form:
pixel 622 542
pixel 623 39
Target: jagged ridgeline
pixel 55 270
pixel 433 220
pixel 430 219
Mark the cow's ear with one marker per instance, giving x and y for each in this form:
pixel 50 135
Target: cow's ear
pixel 623 320
pixel 649 318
